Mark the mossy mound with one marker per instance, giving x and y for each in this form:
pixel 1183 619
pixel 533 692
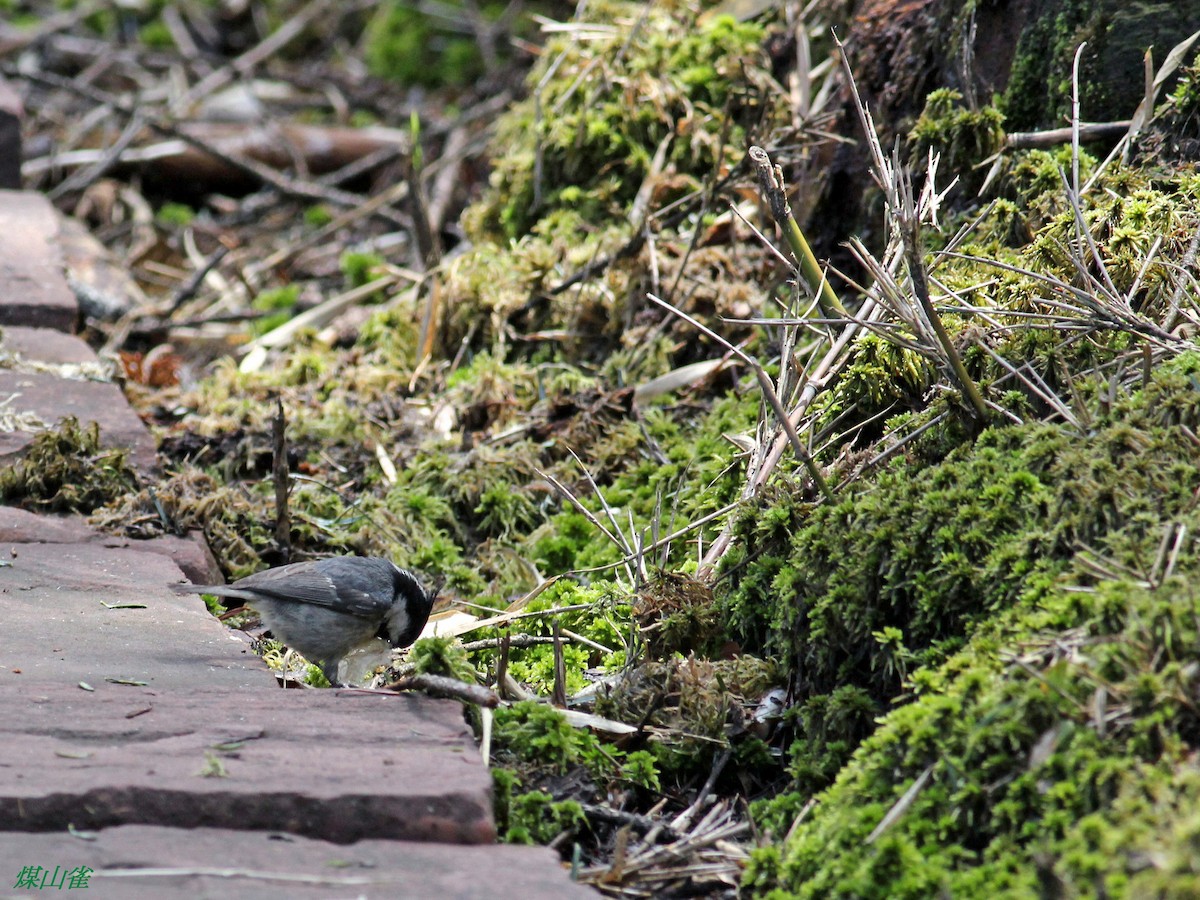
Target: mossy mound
pixel 578 151
pixel 1028 599
pixel 626 118
pixel 65 469
pixel 1054 755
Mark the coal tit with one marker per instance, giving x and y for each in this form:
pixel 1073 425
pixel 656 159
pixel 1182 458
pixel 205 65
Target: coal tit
pixel 326 608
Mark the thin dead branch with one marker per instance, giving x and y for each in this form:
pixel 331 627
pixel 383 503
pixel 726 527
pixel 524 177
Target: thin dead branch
pixel 283 522
pixel 446 687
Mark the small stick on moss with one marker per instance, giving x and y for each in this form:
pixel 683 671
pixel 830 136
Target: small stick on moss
pixel 586 641
pixel 560 670
pixel 519 641
pixel 617 538
pixel 283 524
pixel 770 185
pixel 1085 132
pixel 610 816
pixel 502 661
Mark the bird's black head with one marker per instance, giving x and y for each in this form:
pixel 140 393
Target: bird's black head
pixel 410 610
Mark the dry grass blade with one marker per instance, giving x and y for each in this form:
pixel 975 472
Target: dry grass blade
pixel 769 393
pixel 767 454
pixel 1105 313
pixel 567 494
pixel 622 542
pixel 665 541
pixel 771 186
pixel 901 806
pixel 1036 384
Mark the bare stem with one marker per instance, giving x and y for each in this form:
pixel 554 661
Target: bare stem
pixel 283 526
pixel 916 272
pixel 770 185
pixel 769 392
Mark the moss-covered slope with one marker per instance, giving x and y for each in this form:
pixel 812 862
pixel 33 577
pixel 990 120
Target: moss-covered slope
pixel 1064 727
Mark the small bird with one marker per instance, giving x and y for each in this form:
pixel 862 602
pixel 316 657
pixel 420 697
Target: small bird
pixel 326 608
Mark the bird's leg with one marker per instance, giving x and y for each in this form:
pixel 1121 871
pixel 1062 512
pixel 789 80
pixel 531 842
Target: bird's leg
pixel 329 668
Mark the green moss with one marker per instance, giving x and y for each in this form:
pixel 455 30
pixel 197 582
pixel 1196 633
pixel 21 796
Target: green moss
pixel 1000 685
pixel 411 46
pixel 881 377
pixel 599 614
pixel 318 215
pixel 607 124
pixel 1111 78
pixel 281 303
pixel 640 769
pixel 390 339
pixel 1023 785
pixel 156 35
pixel 442 656
pixel 536 818
pixel 175 215
pixel 893 577
pixel 538 736
pixel 65 469
pixel 572 157
pixel 277 298
pixel 360 268
pixel 963 137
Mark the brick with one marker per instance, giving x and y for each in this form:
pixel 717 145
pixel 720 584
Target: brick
pixel 33 285
pixel 337 765
pixel 146 863
pixel 190 552
pixel 57 628
pixel 19 526
pixel 46 345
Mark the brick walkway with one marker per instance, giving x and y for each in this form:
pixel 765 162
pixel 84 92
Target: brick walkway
pixel 140 739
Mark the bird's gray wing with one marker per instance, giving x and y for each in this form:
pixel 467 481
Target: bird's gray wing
pixel 306 583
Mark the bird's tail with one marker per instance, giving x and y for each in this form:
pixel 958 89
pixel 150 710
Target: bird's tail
pixel 220 590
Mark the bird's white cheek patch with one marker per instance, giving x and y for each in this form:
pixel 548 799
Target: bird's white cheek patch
pixel 397 621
